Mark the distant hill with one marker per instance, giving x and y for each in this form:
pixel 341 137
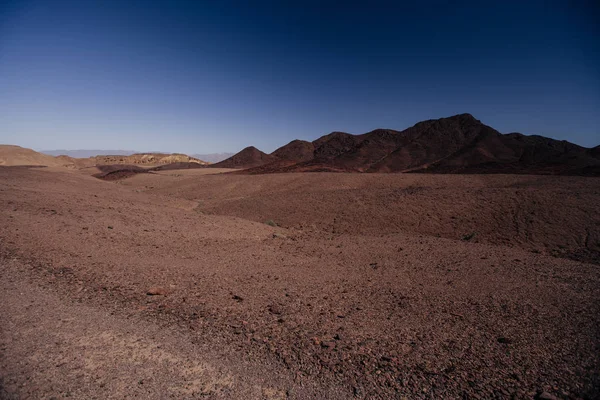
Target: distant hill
pixel 87 153
pixel 247 158
pixel 210 157
pixel 457 144
pixel 147 159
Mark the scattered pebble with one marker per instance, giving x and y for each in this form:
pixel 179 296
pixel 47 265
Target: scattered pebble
pixel 156 291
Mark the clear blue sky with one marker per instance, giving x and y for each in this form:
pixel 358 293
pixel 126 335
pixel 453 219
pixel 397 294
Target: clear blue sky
pixel 212 76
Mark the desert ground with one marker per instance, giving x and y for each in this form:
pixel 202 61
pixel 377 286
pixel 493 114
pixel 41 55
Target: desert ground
pixel 203 284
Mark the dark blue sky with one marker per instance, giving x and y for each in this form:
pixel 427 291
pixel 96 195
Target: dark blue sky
pixel 195 76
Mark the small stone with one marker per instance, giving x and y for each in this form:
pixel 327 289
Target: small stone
pixel 504 340
pixel 156 291
pixel 274 308
pixel 237 298
pixel 279 236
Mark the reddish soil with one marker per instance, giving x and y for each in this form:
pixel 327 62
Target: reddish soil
pixel 373 286
pixel 554 215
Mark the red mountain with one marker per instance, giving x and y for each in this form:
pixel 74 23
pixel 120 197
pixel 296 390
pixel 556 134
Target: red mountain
pixel 248 158
pixel 458 144
pixel 296 150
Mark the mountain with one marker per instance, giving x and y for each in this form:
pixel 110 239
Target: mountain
pixel 296 150
pixel 247 158
pixel 457 144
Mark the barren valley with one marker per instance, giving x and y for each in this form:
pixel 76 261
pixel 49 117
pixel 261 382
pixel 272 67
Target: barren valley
pixel 197 283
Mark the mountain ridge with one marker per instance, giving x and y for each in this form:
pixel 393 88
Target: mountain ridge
pixel 456 144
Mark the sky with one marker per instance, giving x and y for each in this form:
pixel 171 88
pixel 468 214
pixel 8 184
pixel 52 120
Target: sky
pixel 217 76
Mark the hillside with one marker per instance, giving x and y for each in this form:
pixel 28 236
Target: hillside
pixel 296 150
pixel 15 155
pixel 248 158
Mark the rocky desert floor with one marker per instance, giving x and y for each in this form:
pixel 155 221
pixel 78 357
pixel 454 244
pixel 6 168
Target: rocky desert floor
pixel 191 284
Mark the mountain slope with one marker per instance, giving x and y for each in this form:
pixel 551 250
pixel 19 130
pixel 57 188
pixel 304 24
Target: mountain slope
pixel 518 153
pixel 15 155
pixel 296 150
pixel 247 158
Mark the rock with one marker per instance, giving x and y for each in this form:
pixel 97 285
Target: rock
pixel 156 291
pixel 237 298
pixel 274 308
pixel 279 236
pixel 546 396
pixel 504 340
